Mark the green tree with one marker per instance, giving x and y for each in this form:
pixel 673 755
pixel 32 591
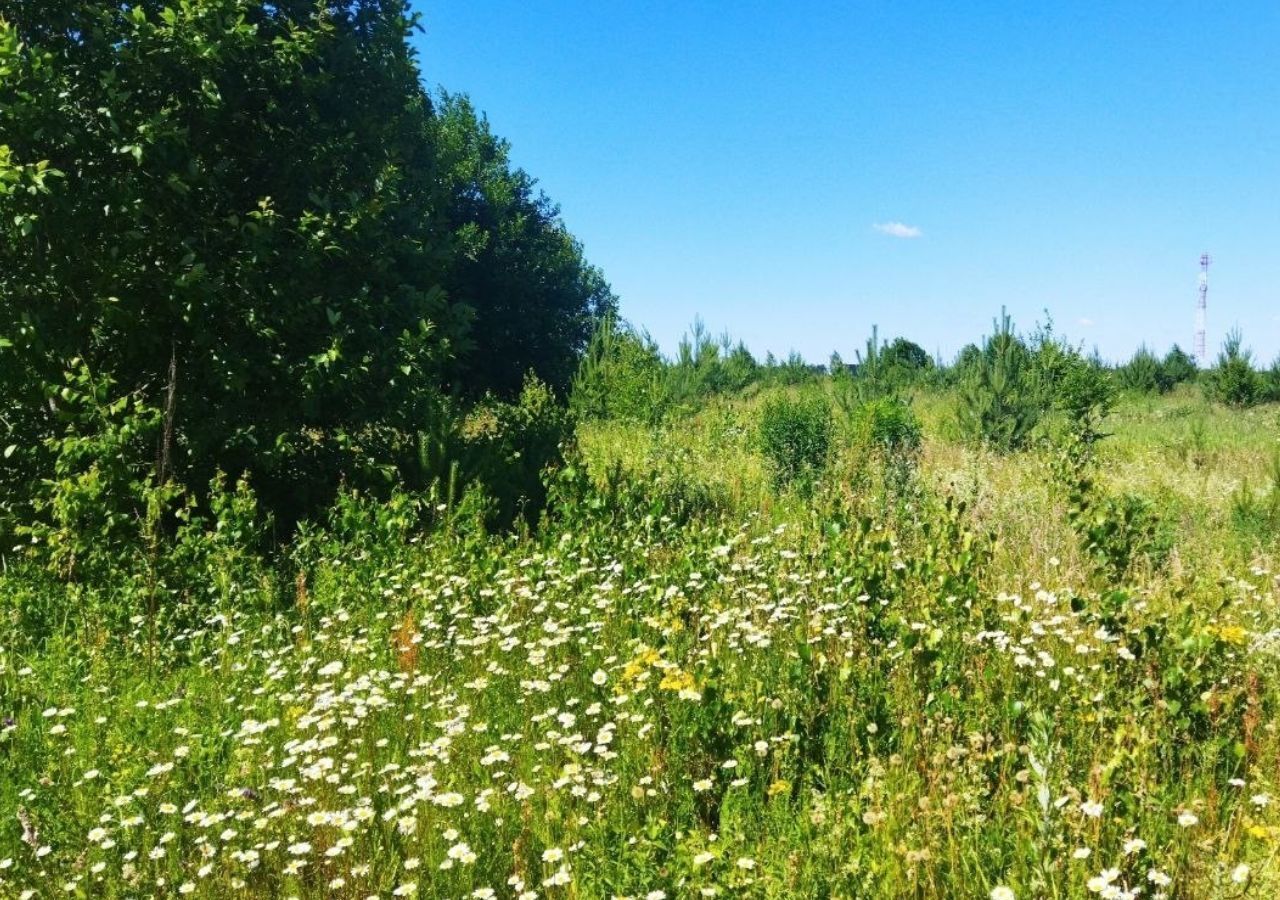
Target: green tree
pixel 1142 373
pixel 1085 393
pixel 1271 382
pixel 966 360
pixel 739 367
pixel 1233 380
pixel 245 225
pixel 795 437
pixel 621 375
pixel 240 232
pixel 1176 367
pixel 998 403
pixel 534 298
pixel 906 355
pixel 696 370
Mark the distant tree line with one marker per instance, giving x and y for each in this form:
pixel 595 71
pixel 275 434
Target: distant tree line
pixel 1006 385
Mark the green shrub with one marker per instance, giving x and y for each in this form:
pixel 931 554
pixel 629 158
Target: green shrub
pixel 1142 373
pixel 1048 358
pixel 621 376
pixel 1257 514
pixel 962 367
pixel 874 376
pixel 1271 382
pixel 738 368
pixel 1085 393
pixel 666 492
pixel 886 430
pixel 789 372
pixel 101 498
pixel 1114 531
pixel 889 425
pixel 906 357
pixel 1177 367
pixel 795 437
pixel 506 446
pixel 704 366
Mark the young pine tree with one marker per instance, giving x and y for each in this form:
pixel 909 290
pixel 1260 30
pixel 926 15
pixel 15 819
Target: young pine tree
pixel 997 397
pixel 1233 380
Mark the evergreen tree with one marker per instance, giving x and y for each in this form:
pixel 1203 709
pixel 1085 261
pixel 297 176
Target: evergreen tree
pixel 997 396
pixel 1233 380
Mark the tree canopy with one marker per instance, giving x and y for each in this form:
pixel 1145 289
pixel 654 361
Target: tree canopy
pixel 240 235
pixel 534 299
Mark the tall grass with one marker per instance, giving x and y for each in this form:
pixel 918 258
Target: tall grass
pixel 686 681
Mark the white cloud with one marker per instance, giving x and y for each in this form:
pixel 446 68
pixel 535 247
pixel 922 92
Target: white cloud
pixel 1086 322
pixel 897 229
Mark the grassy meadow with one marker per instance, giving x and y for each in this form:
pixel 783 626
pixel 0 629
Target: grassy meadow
pixel 354 545
pixel 906 676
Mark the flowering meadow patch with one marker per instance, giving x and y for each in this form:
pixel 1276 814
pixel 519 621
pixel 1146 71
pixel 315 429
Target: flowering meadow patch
pixel 651 708
pixel 659 694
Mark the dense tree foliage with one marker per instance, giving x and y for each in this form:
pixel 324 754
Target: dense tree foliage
pixel 907 355
pixel 238 235
pixel 534 298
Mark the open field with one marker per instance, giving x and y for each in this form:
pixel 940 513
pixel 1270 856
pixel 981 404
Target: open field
pixel 688 683
pixel 359 541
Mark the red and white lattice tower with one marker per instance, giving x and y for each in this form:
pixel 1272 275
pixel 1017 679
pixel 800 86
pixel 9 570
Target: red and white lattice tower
pixel 1202 310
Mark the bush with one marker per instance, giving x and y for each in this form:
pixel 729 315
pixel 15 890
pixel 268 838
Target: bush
pixel 906 356
pixel 507 446
pixel 1177 367
pixel 621 376
pixel 1257 514
pixel 795 437
pixel 887 424
pixel 101 494
pixel 789 372
pixel 1271 383
pixel 665 492
pixel 1114 531
pixel 1142 373
pixel 887 430
pixel 1085 393
pixel 876 374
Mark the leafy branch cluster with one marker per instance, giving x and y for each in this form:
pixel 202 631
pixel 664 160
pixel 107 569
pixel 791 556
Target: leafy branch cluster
pixel 239 236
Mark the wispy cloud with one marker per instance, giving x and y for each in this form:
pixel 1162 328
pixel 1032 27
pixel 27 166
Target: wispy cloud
pixel 897 229
pixel 1086 322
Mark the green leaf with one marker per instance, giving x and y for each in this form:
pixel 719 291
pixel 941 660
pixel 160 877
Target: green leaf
pixel 8 451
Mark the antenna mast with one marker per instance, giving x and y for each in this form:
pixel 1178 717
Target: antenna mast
pixel 1202 310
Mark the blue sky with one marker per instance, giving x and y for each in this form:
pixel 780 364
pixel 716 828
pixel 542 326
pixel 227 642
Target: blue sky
pixel 732 161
